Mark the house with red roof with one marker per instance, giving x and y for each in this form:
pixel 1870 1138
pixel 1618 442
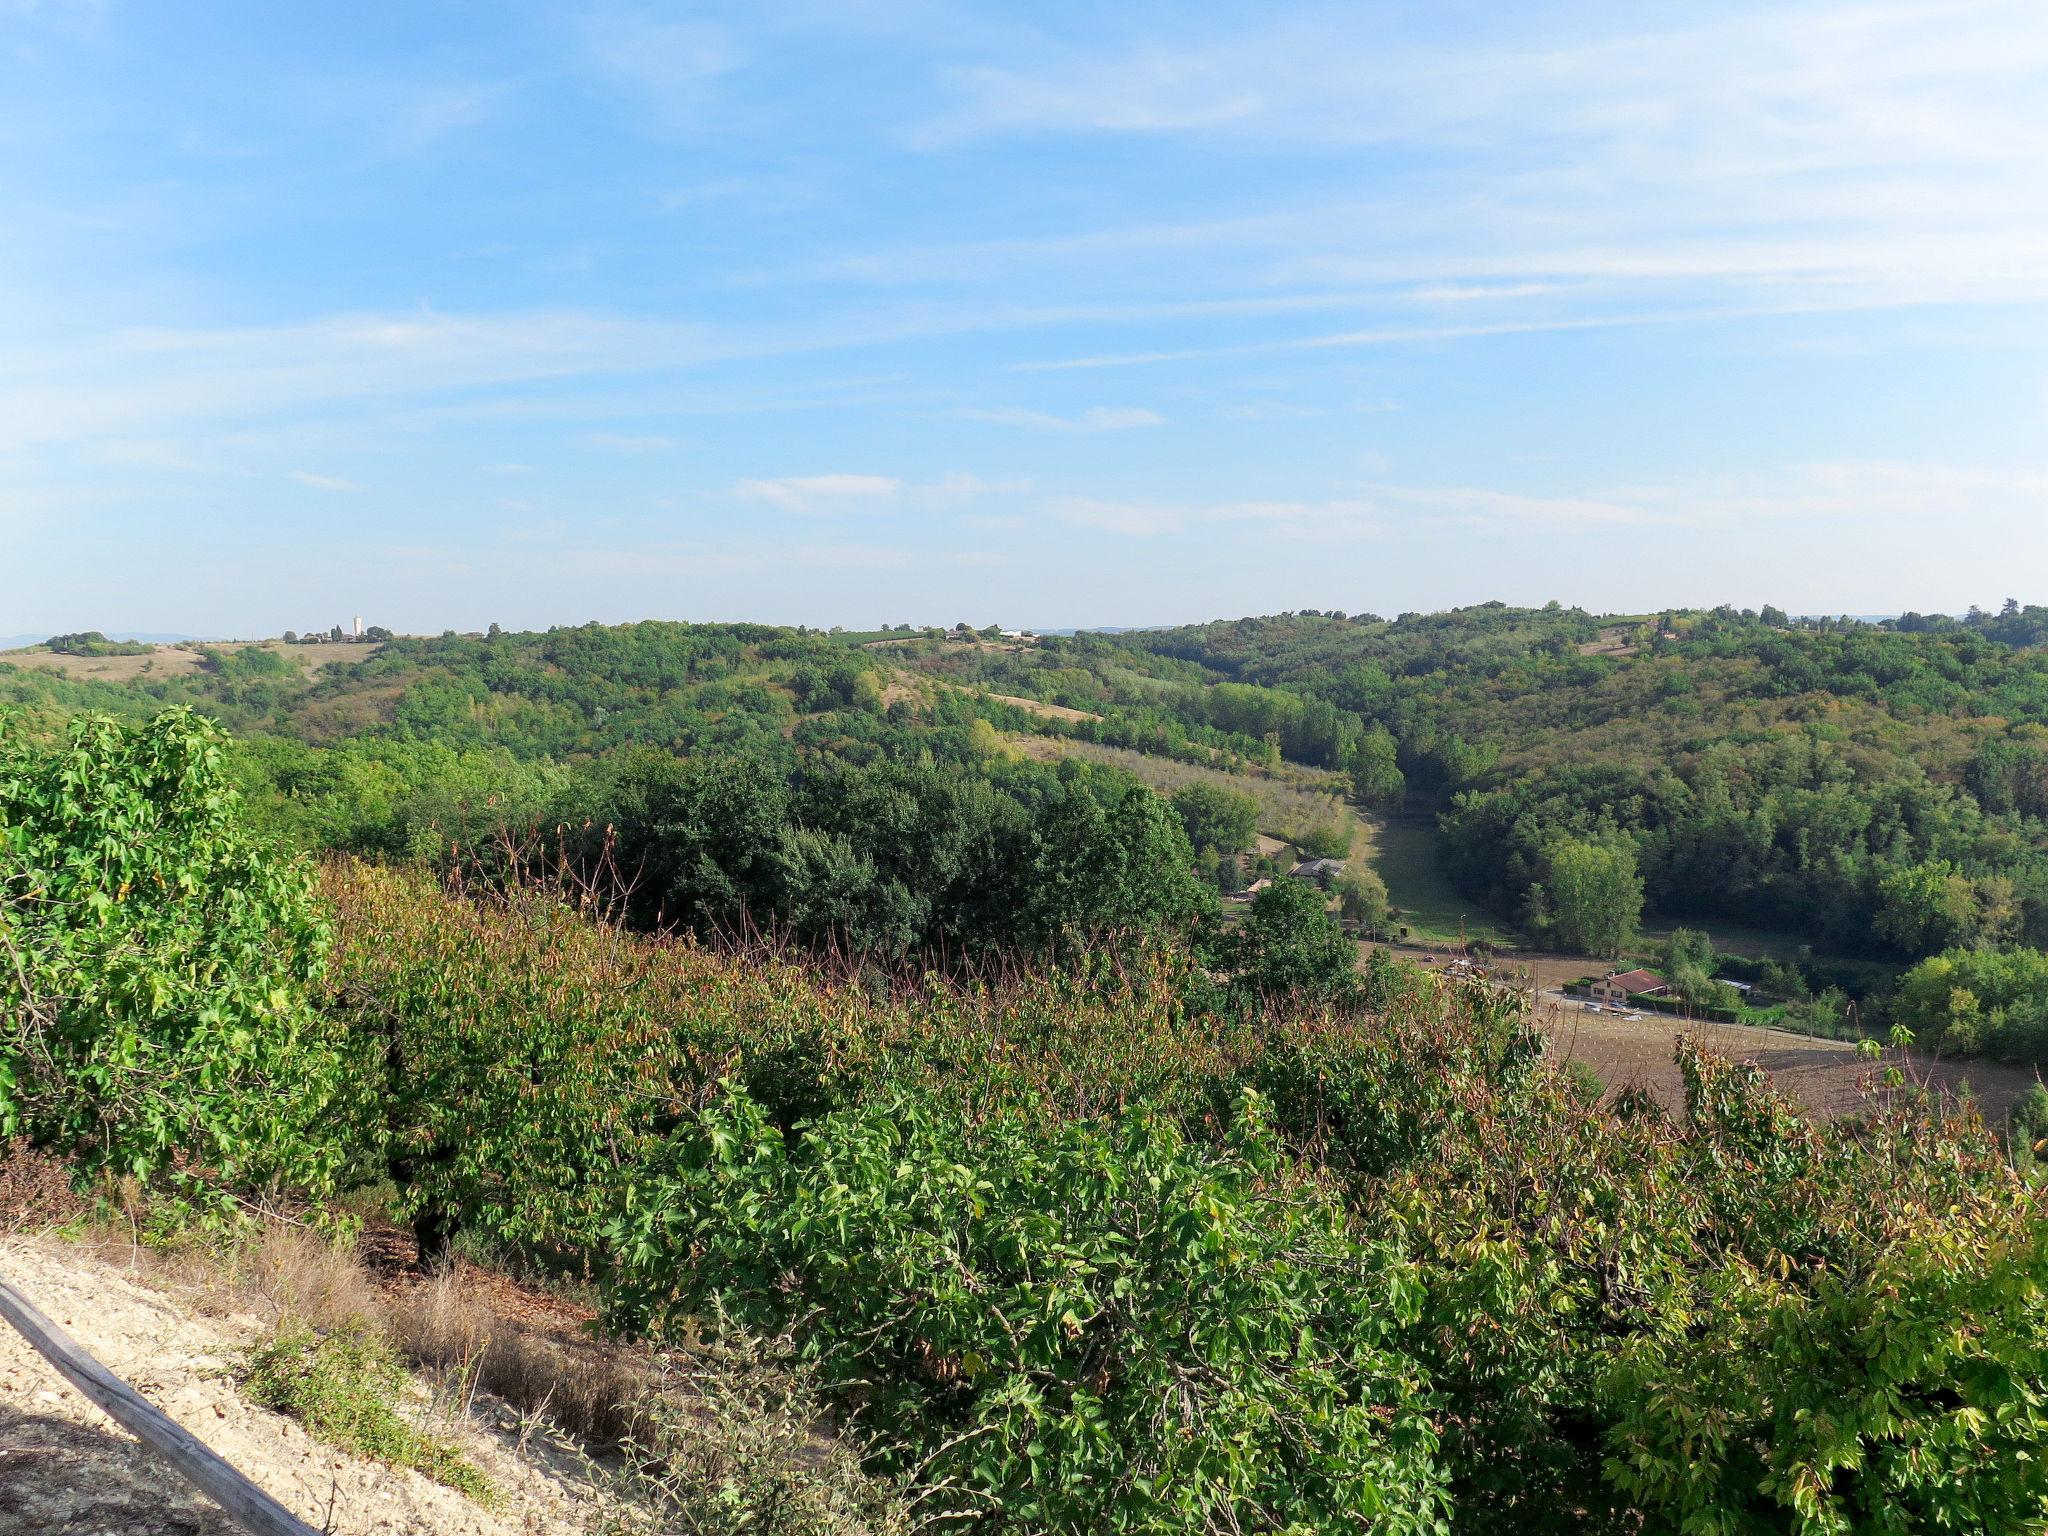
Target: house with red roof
pixel 1617 987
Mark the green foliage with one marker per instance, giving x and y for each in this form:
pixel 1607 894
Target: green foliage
pixel 1362 897
pixel 1924 907
pixel 921 1185
pixel 347 1388
pixel 1093 1328
pixel 1979 1000
pixel 155 963
pixel 1375 769
pixel 1287 944
pixel 1110 1239
pixel 1590 898
pixel 1689 963
pixel 1216 818
pixel 1849 1404
pixel 248 664
pixel 90 642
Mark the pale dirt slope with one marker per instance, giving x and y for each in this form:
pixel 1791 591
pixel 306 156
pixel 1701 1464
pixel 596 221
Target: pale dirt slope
pixel 66 1467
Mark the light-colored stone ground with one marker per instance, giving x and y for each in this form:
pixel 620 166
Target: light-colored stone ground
pixel 66 1467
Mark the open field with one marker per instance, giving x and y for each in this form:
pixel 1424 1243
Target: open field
pixel 1043 710
pixel 1404 853
pixel 181 660
pixel 1826 1076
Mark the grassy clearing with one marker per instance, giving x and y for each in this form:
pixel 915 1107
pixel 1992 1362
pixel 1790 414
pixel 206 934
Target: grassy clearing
pixel 165 661
pixel 1403 851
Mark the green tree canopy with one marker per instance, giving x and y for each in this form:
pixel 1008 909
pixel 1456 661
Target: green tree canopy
pixel 1591 898
pixel 1289 944
pixel 1216 817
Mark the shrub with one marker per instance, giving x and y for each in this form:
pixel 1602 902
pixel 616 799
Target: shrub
pixel 731 1441
pixel 154 1007
pixel 1090 1327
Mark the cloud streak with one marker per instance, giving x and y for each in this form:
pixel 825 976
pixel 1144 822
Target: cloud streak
pixel 334 484
pixel 820 493
pixel 1100 418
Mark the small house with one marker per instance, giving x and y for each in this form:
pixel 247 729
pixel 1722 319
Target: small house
pixel 1617 987
pixel 1321 871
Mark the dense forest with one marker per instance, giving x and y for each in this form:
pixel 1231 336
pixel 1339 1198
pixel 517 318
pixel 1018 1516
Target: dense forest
pixel 1124 1237
pixel 1862 789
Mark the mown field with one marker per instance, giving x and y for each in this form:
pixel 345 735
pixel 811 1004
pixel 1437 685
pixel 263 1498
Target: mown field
pixel 1403 850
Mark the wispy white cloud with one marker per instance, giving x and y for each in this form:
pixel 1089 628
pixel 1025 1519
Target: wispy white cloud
pixel 820 493
pixel 1135 518
pixel 860 492
pixel 1294 410
pixel 338 484
pixel 1337 519
pixel 144 380
pixel 426 115
pixel 1812 496
pixel 1100 418
pixel 631 442
pixel 667 68
pixel 1872 152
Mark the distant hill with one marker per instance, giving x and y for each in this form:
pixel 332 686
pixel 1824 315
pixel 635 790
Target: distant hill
pixel 16 642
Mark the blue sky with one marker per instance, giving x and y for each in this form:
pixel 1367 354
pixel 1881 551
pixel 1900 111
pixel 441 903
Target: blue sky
pixel 883 310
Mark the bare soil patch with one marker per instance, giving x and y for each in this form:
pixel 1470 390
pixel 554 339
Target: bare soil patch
pixel 1612 642
pixel 1826 1077
pixel 1043 710
pixel 1829 1078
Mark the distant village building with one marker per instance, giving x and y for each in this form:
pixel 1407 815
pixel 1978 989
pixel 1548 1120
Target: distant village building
pixel 1617 987
pixel 1321 871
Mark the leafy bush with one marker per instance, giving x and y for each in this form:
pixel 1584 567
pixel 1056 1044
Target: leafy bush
pixel 157 964
pixel 346 1387
pixel 1288 944
pixel 1084 1328
pixel 90 642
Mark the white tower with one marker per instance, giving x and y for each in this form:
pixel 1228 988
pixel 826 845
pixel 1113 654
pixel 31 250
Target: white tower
pixel 359 626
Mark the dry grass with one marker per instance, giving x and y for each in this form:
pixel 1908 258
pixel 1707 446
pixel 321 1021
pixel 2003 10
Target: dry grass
pixel 582 1385
pixel 448 1324
pixel 162 661
pixel 1043 710
pixel 35 1190
pixel 182 660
